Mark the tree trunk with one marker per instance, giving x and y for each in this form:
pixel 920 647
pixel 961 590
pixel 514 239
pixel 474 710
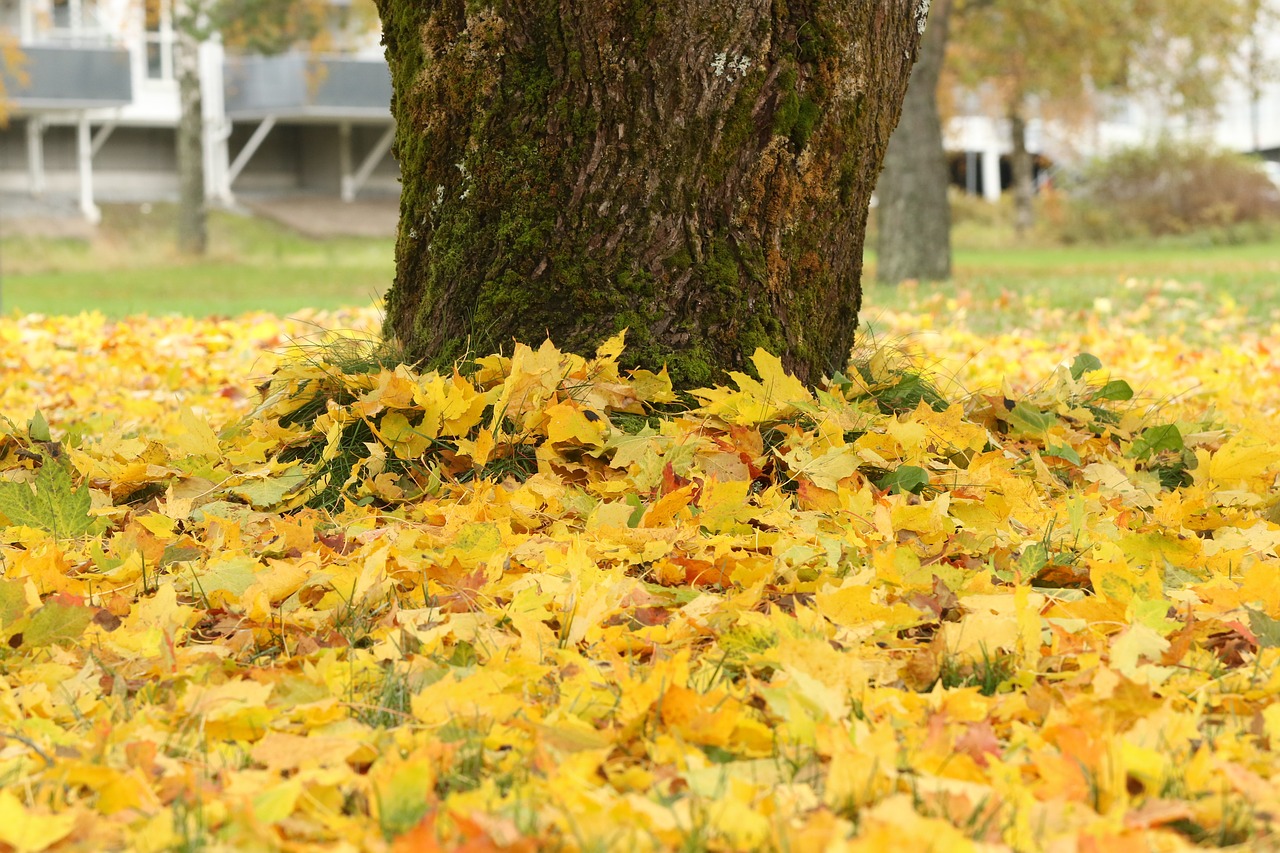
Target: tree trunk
pixel 697 171
pixel 913 214
pixel 192 216
pixel 1024 217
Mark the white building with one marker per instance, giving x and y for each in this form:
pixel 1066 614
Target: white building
pixel 1247 119
pixel 96 115
pixel 95 112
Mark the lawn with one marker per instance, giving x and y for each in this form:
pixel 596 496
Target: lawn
pixel 998 289
pixel 257 265
pixel 130 267
pixel 1006 584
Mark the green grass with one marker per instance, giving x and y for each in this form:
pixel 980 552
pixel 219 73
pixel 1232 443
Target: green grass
pixel 1157 284
pixel 130 267
pixel 198 290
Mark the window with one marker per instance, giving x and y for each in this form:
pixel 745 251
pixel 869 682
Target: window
pixel 159 39
pixel 75 21
pixel 62 14
pixel 11 17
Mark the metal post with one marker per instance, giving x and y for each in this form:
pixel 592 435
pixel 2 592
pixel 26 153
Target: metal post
pixel 35 154
pixel 250 147
pixel 991 174
pixel 26 23
pixel 84 158
pixel 372 159
pixel 346 186
pixel 100 138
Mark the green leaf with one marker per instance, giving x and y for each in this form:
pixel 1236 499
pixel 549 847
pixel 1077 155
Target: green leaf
pixel 1063 451
pixel 637 509
pixel 38 427
pixel 1116 389
pixel 13 601
pixel 907 478
pixel 1030 420
pixel 61 619
pixel 1083 363
pixel 52 505
pixel 676 594
pixel 1177 578
pixel 266 493
pixel 1266 629
pixel 1155 439
pixel 230 576
pixel 1033 558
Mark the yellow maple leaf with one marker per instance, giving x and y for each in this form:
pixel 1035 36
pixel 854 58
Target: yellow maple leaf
pixel 854 605
pixel 116 790
pixel 479 449
pixel 235 710
pixel 406 440
pixel 568 421
pixel 1135 653
pixel 826 470
pixel 1242 459
pixel 778 385
pixel 652 387
pixel 30 831
pixel 990 623
pixel 707 719
pixel 283 752
pixel 612 348
pixel 1121 582
pixel 197 437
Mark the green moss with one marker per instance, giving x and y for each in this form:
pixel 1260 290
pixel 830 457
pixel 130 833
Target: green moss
pixel 738 126
pixel 720 270
pixel 815 42
pixel 787 114
pixel 788 109
pixel 847 181
pixel 636 283
pixel 680 261
pixel 807 119
pixel 693 368
pixel 503 253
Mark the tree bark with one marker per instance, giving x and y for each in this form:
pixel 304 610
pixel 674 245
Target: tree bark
pixel 697 171
pixel 1024 218
pixel 192 216
pixel 913 213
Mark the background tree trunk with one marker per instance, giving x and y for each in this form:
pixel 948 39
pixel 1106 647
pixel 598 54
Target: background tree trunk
pixel 913 214
pixel 1024 217
pixel 697 171
pixel 192 216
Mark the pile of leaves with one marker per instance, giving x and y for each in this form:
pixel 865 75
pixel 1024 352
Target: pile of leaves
pixel 541 602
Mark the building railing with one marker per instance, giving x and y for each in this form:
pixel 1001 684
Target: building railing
pixel 300 84
pixel 75 76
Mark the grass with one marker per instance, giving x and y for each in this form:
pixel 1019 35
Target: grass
pixel 131 267
pixel 998 287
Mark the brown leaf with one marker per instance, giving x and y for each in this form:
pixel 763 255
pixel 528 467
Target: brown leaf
pixel 1230 646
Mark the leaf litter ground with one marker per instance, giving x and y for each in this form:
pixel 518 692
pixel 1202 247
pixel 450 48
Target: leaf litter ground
pixel 1024 599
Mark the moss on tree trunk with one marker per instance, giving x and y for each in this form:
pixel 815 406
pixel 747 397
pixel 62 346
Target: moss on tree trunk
pixel 695 171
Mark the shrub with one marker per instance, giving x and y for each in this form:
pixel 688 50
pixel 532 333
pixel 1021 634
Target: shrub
pixel 1172 189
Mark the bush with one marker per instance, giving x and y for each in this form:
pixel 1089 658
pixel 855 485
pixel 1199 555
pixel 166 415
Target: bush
pixel 1172 189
